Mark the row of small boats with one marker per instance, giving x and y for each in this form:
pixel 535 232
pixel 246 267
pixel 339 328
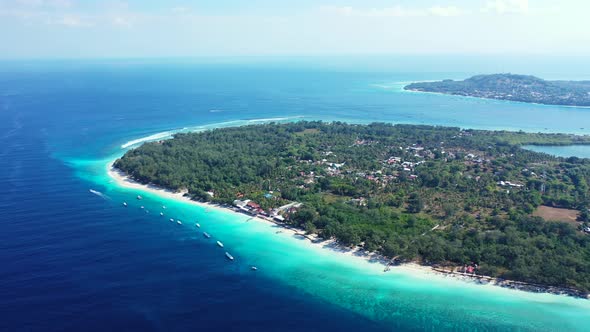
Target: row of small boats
pixel 219 243
pixel 205 234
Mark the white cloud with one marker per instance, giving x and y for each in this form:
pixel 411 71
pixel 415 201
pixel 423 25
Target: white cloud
pixel 73 21
pixel 66 13
pixel 42 11
pixel 507 7
pixel 180 10
pixel 491 6
pixel 122 21
pixel 447 11
pixel 44 3
pixel 395 11
pixel 30 3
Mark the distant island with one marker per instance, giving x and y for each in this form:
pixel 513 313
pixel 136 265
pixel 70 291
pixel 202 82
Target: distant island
pixel 521 88
pixel 468 201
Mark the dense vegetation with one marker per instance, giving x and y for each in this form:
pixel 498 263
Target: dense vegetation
pixel 522 88
pixel 386 187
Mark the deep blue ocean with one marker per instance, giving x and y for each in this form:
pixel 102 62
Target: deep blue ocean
pixel 72 260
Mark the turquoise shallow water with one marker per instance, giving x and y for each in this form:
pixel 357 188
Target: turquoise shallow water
pixel 80 261
pixel 580 151
pixel 403 298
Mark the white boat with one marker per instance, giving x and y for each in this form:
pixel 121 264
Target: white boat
pixel 230 257
pixel 161 213
pixel 179 222
pixel 164 207
pixel 141 207
pixel 171 220
pixel 253 268
pixel 205 234
pixel 125 204
pixel 198 225
pixel 139 197
pixel 220 244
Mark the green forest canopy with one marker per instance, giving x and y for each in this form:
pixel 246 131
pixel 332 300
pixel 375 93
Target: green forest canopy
pixel 386 186
pixel 523 88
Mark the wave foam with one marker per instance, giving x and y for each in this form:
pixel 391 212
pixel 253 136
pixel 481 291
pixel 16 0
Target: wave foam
pixel 99 194
pixel 275 119
pixel 154 137
pixel 233 123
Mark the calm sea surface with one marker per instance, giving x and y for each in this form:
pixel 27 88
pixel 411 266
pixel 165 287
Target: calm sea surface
pixel 580 151
pixel 76 260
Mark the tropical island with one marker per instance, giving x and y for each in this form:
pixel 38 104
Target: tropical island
pixel 470 201
pixel 521 88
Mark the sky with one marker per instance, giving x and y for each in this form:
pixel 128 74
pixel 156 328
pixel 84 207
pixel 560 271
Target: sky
pixel 182 28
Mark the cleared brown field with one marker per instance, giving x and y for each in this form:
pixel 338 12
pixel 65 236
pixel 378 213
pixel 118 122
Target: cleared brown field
pixel 556 214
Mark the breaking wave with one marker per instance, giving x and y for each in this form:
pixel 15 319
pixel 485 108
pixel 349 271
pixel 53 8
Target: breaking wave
pixel 99 194
pixel 233 123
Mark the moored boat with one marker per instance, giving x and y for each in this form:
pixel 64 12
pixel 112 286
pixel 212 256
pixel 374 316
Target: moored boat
pixel 179 222
pixel 220 244
pixel 230 257
pixel 198 225
pixel 205 234
pixel 125 204
pixel 139 197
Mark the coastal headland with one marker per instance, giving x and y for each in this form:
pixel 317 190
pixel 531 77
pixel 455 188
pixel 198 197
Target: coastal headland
pixel 429 222
pixel 520 88
pixel 344 252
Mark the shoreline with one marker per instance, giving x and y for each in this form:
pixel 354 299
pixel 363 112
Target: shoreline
pixel 483 98
pixel 313 241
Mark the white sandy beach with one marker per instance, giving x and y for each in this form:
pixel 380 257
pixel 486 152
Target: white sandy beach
pixel 353 256
pixel 345 253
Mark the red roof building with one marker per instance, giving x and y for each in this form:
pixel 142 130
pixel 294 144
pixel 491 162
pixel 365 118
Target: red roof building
pixel 253 205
